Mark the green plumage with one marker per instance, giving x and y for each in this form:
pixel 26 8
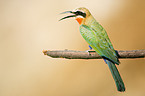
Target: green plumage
pixel 98 39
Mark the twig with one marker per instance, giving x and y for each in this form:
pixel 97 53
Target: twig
pixel 70 54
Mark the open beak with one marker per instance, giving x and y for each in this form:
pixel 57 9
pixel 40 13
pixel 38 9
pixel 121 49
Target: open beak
pixel 68 16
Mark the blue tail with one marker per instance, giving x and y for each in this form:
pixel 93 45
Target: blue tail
pixel 117 78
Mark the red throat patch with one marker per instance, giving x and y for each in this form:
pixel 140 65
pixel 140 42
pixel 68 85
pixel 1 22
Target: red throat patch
pixel 79 20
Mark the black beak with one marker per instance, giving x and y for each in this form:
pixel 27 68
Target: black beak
pixel 68 16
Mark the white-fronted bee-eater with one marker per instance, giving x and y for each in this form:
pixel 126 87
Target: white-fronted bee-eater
pixel 97 38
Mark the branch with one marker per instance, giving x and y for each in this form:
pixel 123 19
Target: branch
pixel 70 54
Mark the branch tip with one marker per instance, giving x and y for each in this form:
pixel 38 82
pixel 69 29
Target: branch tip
pixel 45 52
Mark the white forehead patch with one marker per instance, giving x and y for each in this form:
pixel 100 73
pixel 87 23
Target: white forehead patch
pixel 75 10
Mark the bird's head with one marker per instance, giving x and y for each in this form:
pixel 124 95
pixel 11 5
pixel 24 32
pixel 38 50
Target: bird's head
pixel 80 14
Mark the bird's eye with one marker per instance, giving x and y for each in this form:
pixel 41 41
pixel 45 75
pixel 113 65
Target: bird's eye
pixel 80 13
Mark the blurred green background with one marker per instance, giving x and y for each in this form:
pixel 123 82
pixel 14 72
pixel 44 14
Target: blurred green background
pixel 27 27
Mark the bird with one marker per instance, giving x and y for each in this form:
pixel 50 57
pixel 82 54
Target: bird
pixel 96 36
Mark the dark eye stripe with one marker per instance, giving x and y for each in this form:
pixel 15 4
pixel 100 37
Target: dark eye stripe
pixel 80 13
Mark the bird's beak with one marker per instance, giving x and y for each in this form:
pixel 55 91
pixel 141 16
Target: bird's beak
pixel 68 16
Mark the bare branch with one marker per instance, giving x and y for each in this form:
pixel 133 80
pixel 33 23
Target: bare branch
pixel 70 54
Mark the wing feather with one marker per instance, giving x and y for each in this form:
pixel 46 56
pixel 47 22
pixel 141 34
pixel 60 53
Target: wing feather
pixel 99 41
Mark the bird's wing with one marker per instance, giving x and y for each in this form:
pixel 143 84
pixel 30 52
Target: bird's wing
pixel 100 42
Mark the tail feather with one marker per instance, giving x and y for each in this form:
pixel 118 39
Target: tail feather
pixel 117 78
